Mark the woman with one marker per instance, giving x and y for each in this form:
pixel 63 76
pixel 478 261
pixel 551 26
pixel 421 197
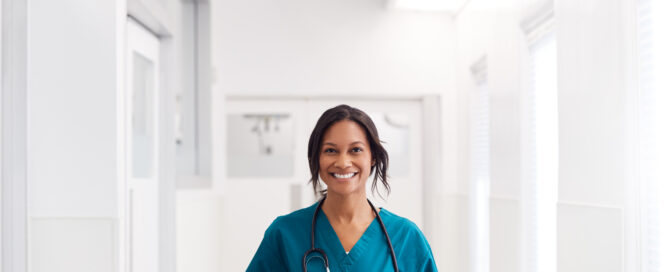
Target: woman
pixel 343 231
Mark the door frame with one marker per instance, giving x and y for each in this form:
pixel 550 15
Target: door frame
pixel 143 42
pixel 157 18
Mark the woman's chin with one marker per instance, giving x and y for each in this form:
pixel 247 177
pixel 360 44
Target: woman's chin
pixel 344 189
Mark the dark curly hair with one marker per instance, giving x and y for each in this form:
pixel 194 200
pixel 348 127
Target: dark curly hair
pixel 346 112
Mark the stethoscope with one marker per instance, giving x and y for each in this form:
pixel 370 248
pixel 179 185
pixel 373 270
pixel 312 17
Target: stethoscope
pixel 322 252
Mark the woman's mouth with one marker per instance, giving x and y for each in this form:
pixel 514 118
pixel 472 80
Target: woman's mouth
pixel 344 176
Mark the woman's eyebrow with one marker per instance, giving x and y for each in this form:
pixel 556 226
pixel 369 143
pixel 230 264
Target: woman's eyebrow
pixel 353 143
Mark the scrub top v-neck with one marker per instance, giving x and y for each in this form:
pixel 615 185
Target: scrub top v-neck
pixel 288 238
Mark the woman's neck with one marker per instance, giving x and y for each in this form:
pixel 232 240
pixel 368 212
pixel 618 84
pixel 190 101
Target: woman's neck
pixel 346 209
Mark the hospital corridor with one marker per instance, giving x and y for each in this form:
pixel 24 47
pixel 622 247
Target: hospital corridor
pixel 255 135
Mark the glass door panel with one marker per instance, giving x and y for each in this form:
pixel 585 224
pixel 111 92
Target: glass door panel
pixel 142 116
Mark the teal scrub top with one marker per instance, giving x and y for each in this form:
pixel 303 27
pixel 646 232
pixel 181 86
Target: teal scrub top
pixel 289 237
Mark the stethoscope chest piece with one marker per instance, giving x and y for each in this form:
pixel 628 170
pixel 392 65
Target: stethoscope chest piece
pixel 323 256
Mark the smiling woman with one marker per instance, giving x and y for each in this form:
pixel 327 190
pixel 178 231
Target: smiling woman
pixel 344 149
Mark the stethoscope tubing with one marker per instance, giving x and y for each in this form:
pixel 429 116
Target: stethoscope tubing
pixel 390 244
pixel 322 252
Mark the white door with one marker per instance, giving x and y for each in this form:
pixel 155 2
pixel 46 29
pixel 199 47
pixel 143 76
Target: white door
pixel 142 148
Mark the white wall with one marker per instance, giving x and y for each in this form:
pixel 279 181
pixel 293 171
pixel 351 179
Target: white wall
pixel 72 143
pixel 593 106
pixel 492 32
pixel 199 231
pixel 329 47
pixel 72 110
pixel 321 48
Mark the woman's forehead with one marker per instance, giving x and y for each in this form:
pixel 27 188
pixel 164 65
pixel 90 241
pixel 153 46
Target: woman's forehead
pixel 345 132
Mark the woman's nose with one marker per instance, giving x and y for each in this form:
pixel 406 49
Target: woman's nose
pixel 343 161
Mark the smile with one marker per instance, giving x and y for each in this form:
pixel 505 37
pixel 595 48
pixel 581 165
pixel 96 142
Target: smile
pixel 344 176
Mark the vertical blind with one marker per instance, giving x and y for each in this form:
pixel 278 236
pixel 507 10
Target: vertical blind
pixel 653 123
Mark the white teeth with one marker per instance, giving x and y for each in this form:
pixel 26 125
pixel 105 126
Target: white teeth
pixel 344 176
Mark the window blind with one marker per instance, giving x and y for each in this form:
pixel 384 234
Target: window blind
pixel 653 107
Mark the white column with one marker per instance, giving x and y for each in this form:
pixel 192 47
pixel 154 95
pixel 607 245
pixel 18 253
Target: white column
pixel 13 130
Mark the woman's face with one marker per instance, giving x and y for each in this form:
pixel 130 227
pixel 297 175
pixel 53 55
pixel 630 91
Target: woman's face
pixel 345 158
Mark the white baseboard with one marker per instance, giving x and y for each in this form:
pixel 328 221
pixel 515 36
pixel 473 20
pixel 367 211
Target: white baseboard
pixel 73 245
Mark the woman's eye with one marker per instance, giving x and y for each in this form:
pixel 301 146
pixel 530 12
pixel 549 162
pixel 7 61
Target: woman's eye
pixel 329 150
pixel 356 149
